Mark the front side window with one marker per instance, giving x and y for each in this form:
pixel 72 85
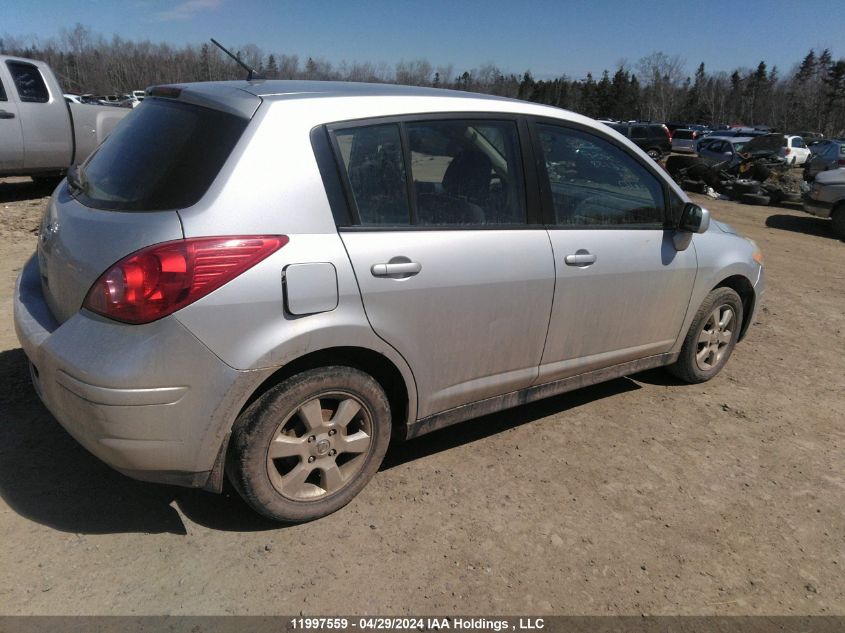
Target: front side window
pixel 595 183
pixel 466 172
pixel 372 159
pixel 29 82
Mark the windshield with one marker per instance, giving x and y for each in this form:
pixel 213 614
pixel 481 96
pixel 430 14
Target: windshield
pixel 738 146
pixel 164 155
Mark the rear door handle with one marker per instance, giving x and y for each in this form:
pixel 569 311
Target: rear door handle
pixel 6 115
pixel 580 258
pixel 405 269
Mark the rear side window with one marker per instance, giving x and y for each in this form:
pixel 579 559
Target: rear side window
pixel 657 130
pixel 2 92
pixel 466 172
pixel 163 155
pixel 434 173
pixel 29 82
pixel 595 183
pixel 639 131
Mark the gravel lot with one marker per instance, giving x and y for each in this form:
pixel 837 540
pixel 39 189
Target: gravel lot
pixel 637 496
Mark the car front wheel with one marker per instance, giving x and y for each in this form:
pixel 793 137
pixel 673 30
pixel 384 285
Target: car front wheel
pixel 306 447
pixel 711 338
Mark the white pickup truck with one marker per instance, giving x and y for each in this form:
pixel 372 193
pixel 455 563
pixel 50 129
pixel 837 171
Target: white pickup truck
pixel 41 135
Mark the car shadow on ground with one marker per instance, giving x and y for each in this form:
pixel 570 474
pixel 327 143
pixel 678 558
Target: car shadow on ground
pixel 47 477
pixel 819 227
pixel 17 190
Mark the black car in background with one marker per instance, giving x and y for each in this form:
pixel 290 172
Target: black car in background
pixel 824 155
pixel 653 138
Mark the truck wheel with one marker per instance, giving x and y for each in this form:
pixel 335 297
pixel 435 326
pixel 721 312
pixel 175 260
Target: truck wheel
pixel 310 444
pixel 711 337
pixel 837 219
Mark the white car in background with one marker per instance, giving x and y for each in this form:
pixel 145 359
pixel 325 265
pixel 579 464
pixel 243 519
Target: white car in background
pixel 795 152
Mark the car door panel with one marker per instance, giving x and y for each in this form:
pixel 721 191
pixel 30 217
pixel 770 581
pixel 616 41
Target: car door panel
pixel 622 287
pixel 472 322
pixel 629 304
pixel 451 273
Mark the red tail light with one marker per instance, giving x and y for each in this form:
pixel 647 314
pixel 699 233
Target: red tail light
pixel 842 162
pixel 158 280
pixel 787 150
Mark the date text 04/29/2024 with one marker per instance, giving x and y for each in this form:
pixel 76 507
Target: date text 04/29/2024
pixel 419 624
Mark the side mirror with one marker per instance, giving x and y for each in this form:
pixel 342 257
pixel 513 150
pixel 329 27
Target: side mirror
pixel 694 219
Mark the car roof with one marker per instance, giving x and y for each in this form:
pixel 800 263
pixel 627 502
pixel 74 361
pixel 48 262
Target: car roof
pixel 244 97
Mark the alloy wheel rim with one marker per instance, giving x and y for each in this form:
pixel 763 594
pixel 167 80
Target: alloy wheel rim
pixel 320 447
pixel 715 337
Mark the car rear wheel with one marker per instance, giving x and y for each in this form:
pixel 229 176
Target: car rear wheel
pixel 306 447
pixel 711 337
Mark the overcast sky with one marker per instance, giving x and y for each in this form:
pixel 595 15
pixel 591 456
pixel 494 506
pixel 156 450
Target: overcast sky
pixel 550 38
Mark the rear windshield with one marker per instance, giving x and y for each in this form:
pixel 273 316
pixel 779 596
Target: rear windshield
pixel 685 135
pixel 164 155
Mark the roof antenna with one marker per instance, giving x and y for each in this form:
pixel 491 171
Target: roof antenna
pixel 253 74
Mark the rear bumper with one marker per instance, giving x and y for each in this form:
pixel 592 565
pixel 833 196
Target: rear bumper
pixel 151 401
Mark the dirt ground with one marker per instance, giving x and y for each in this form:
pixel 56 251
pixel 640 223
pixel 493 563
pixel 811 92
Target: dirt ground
pixel 637 496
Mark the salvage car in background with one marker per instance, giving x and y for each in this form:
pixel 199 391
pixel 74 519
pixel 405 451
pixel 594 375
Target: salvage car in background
pixel 42 134
pixel 826 199
pixel 653 138
pixel 824 155
pixel 723 149
pixel 684 141
pixel 795 152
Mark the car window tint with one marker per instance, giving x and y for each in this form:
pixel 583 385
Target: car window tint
pixel 2 92
pixel 595 183
pixel 639 131
pixel 466 172
pixel 372 158
pixel 716 146
pixel 29 82
pixel 162 156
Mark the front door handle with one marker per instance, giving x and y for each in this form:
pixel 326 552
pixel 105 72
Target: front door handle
pixel 580 258
pixel 391 269
pixel 6 115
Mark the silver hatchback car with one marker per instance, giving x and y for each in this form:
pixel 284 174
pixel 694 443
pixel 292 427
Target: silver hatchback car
pixel 273 279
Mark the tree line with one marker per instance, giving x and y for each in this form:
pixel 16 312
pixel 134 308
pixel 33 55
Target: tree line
pixel 810 96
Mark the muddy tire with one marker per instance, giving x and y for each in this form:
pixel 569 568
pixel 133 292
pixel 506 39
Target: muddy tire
pixel 711 338
pixel 306 447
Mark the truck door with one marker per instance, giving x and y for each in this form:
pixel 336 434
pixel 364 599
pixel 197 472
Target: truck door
pixel 44 118
pixel 11 137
